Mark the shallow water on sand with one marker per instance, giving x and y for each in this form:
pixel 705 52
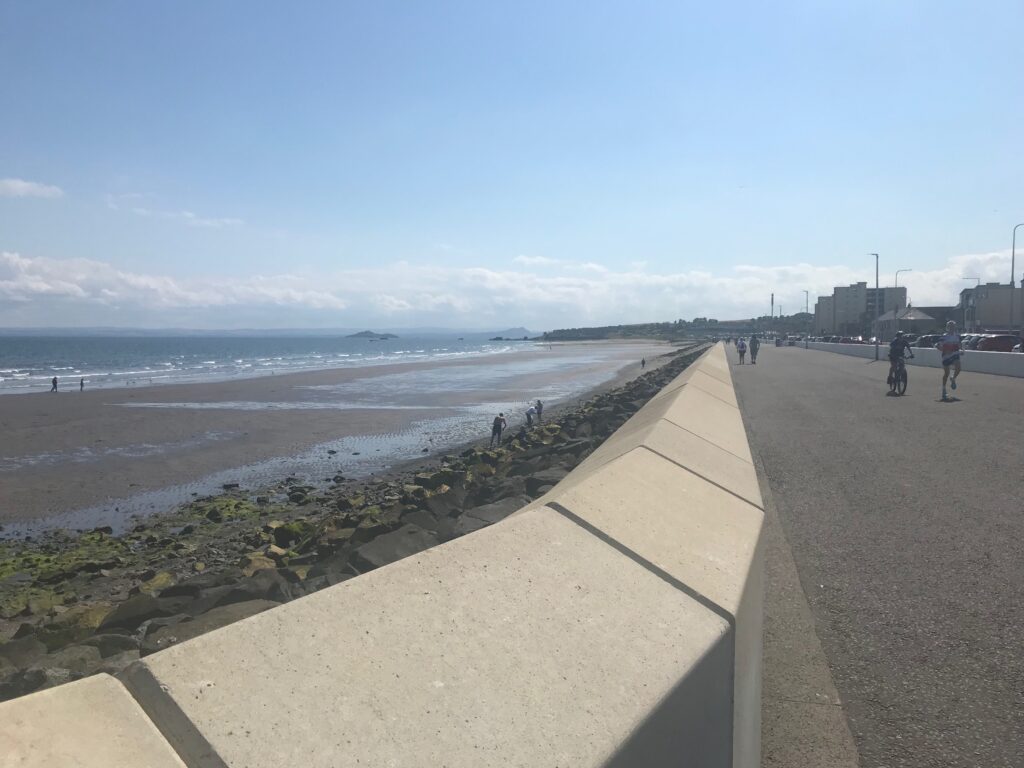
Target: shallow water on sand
pixel 454 405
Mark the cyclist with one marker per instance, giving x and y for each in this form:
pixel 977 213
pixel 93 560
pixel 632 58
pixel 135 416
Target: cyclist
pixel 898 347
pixel 950 348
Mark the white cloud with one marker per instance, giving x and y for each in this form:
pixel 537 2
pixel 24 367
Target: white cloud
pixel 126 202
pixel 535 261
pixel 24 279
pixel 22 188
pixel 188 217
pixel 44 291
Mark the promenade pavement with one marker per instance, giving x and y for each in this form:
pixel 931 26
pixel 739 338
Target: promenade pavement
pixel 905 519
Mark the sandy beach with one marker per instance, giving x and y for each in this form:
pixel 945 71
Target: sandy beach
pixel 79 459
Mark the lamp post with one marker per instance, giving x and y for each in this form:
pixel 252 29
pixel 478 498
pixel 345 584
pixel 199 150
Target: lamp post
pixel 1013 265
pixel 876 304
pixel 974 302
pixel 896 312
pixel 807 311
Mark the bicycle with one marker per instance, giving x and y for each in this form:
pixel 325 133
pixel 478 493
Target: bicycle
pixel 898 378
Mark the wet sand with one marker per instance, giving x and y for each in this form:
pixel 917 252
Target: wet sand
pixel 73 451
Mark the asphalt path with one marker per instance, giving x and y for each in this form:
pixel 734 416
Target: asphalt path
pixel 905 517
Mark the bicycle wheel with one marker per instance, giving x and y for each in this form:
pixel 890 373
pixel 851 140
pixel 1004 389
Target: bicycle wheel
pixel 893 377
pixel 901 381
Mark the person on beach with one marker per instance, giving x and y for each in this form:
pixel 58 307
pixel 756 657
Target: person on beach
pixel 540 410
pixel 53 384
pixel 755 344
pixel 81 385
pixel 741 347
pixel 950 348
pixel 643 363
pixel 497 427
pixel 530 413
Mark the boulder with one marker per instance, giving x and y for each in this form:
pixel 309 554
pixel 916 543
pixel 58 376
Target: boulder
pixel 23 652
pixel 347 503
pixel 585 429
pixel 115 664
pixel 75 623
pixel 287 534
pixel 112 645
pixel 334 569
pixel 267 584
pixel 135 610
pixel 157 583
pixel 213 619
pixel 196 585
pixel 549 477
pixel 255 561
pixel 389 547
pixel 21 682
pixel 482 516
pixel 332 539
pixel 80 659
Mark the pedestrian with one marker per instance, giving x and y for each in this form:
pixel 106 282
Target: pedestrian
pixel 755 344
pixel 741 347
pixel 950 349
pixel 530 413
pixel 643 363
pixel 53 384
pixel 540 410
pixel 81 384
pixel 497 426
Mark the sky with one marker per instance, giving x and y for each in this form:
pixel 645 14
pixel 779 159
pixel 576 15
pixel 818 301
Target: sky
pixel 483 165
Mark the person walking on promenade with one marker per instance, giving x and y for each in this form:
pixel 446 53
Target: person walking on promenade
pixel 530 413
pixel 53 384
pixel 950 348
pixel 755 344
pixel 741 347
pixel 497 426
pixel 540 410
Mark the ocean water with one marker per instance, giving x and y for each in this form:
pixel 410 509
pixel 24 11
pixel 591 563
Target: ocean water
pixel 28 364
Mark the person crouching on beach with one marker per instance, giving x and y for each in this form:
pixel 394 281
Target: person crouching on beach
pixel 497 426
pixel 530 413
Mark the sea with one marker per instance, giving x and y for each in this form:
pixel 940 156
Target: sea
pixel 29 363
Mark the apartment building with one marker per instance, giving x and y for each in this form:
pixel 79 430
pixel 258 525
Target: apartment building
pixel 987 307
pixel 850 310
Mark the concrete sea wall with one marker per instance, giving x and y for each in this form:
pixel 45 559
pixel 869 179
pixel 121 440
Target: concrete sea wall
pixel 615 621
pixel 998 363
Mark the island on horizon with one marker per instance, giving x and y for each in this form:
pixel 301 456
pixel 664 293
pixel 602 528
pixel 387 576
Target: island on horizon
pixel 371 335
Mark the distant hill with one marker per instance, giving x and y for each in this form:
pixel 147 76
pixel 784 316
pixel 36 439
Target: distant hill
pixel 371 335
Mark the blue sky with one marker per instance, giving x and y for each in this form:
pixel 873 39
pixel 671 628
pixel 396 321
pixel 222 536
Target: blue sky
pixel 225 164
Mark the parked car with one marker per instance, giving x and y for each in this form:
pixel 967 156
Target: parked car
pixel 997 343
pixel 975 340
pixel 928 341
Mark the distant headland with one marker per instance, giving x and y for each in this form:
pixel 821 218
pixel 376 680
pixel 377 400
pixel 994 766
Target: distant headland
pixel 371 335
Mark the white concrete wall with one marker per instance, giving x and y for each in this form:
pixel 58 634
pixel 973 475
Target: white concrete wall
pixel 997 363
pixel 615 622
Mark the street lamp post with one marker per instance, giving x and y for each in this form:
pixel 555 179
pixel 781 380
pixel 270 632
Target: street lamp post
pixel 896 312
pixel 974 303
pixel 807 311
pixel 876 304
pixel 1013 265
